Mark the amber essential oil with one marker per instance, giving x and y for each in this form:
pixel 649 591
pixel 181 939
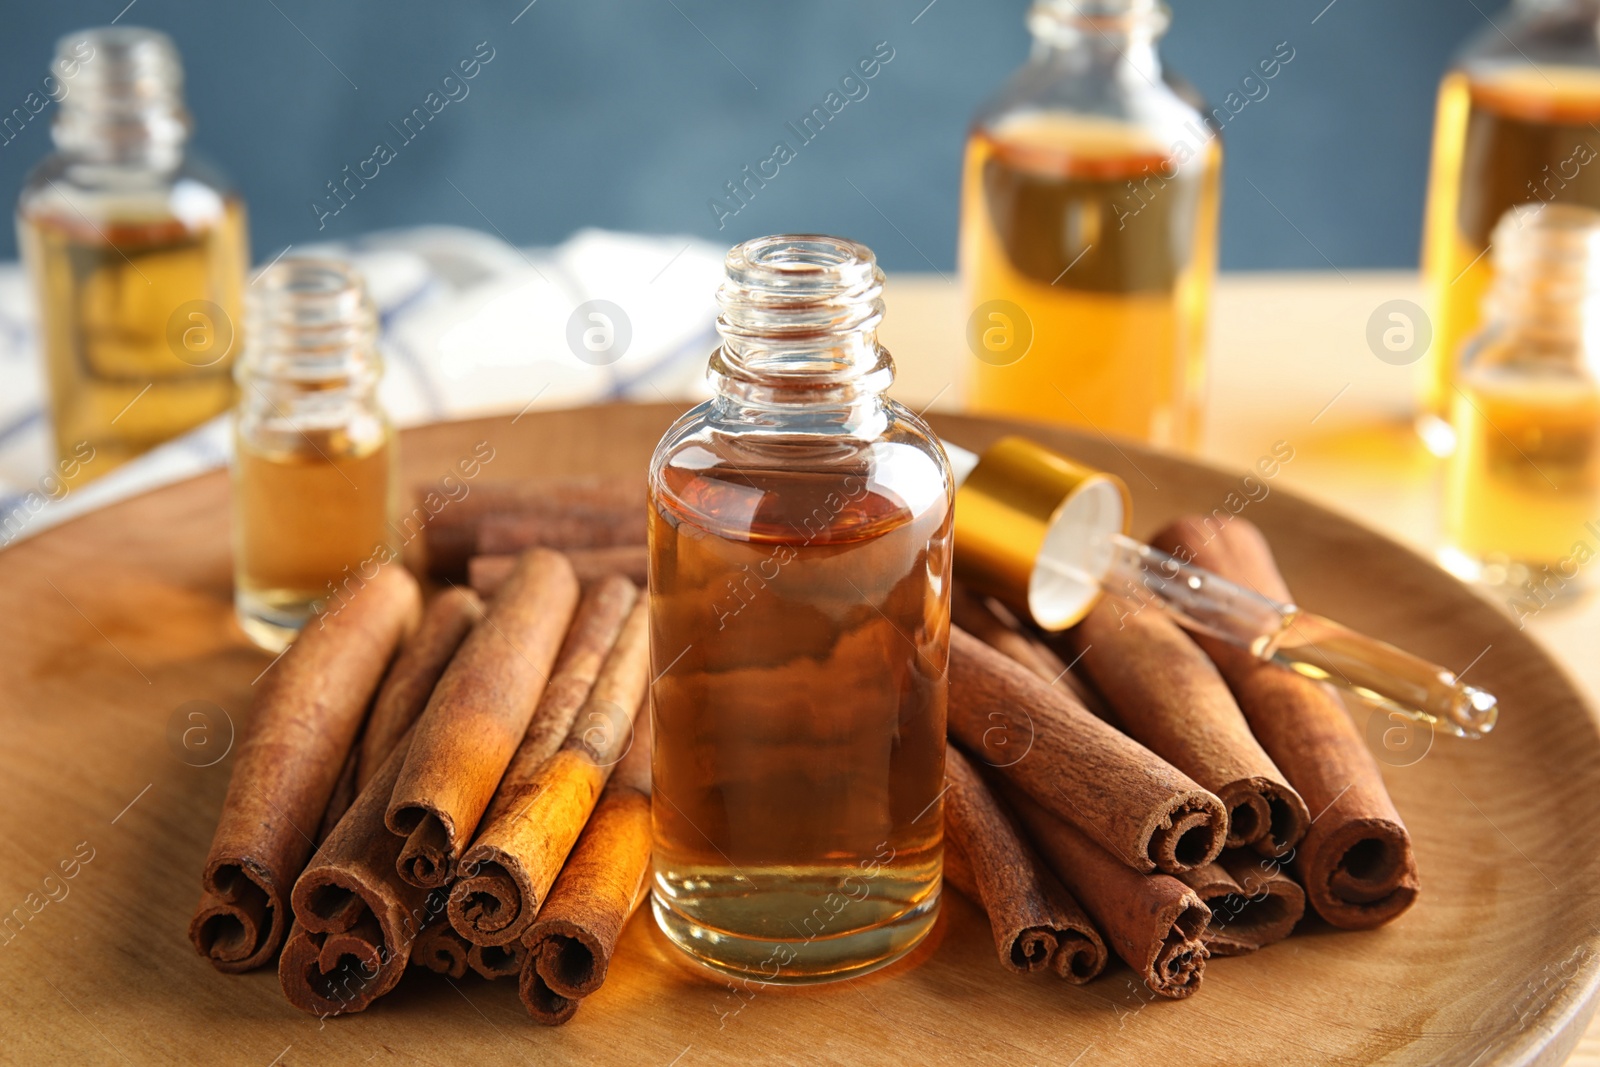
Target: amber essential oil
pixel 1106 243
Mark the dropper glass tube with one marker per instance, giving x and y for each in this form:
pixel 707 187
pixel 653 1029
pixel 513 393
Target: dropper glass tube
pixel 1049 537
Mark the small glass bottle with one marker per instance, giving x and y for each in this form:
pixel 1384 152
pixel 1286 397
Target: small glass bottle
pixel 1516 123
pixel 137 251
pixel 315 457
pixel 800 534
pixel 1522 504
pixel 1089 210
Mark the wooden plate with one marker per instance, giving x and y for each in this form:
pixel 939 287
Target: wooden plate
pixel 113 624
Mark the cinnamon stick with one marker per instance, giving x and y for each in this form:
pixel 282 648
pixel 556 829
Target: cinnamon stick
pixel 545 1006
pixel 308 708
pixel 1170 697
pixel 1153 921
pixel 487 573
pixel 450 536
pixel 996 627
pixel 506 532
pixel 343 795
pixel 1253 902
pixel 547 814
pixel 355 919
pixel 1356 860
pixel 1143 810
pixel 497 961
pixel 990 622
pixel 445 623
pixel 571 944
pixel 487 903
pixel 477 715
pixel 1036 924
pixel 440 949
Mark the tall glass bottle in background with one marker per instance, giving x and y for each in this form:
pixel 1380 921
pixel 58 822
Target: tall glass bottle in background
pixel 1089 229
pixel 800 531
pixel 137 252
pixel 1522 500
pixel 315 459
pixel 1516 123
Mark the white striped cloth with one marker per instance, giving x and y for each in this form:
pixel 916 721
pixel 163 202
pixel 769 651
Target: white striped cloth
pixel 470 326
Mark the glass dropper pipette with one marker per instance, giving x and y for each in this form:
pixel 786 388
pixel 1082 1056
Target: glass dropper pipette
pixel 1049 538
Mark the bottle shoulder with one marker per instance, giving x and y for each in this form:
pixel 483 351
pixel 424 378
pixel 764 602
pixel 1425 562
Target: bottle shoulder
pixel 1504 354
pixel 62 186
pixel 723 468
pixel 1067 91
pixel 1552 34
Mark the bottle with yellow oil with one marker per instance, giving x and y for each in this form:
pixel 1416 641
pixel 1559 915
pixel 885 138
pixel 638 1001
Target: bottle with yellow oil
pixel 314 468
pixel 137 251
pixel 1516 123
pixel 1522 503
pixel 1089 229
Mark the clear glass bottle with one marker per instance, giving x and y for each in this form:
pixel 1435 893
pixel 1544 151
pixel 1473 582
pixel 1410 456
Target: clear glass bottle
pixel 1516 123
pixel 800 536
pixel 137 251
pixel 315 456
pixel 1522 504
pixel 1089 211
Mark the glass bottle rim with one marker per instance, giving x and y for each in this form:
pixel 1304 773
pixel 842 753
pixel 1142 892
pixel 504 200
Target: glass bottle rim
pixel 310 319
pixel 798 321
pixel 124 99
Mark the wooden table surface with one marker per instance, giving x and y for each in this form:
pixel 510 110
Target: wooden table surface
pixel 1289 362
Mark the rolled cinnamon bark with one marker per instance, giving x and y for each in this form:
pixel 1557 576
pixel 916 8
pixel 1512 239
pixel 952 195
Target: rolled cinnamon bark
pixel 1355 861
pixel 544 815
pixel 487 573
pixel 450 537
pixel 545 1006
pixel 1036 923
pixel 355 919
pixel 571 943
pixel 344 793
pixel 990 622
pixel 1153 921
pixel 1143 810
pixel 497 961
pixel 308 708
pixel 487 904
pixel 440 949
pixel 506 532
pixel 1169 696
pixel 477 715
pixel 445 623
pixel 1253 903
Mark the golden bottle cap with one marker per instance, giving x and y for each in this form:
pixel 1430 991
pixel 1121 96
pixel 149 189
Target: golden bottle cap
pixel 1033 529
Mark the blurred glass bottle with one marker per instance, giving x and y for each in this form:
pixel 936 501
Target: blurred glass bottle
pixel 1515 124
pixel 1089 231
pixel 137 252
pixel 314 466
pixel 1522 503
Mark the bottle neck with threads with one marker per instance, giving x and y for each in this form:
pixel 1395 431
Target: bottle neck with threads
pixel 311 355
pixel 1544 305
pixel 121 101
pixel 799 319
pixel 1112 33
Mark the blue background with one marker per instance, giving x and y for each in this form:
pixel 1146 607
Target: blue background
pixel 631 114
